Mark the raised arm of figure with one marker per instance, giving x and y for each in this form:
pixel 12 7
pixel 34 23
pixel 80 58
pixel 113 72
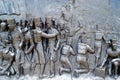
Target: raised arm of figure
pixel 90 49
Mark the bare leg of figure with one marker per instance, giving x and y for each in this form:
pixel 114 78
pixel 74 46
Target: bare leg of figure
pixel 42 68
pixel 52 68
pixel 78 65
pixel 116 69
pixel 37 69
pixel 80 70
pixel 60 69
pixel 86 67
pixel 33 66
pixel 77 70
pixel 98 56
pixel 8 65
pixel 5 73
pixel 68 65
pixel 66 68
pixel 17 67
pixel 21 70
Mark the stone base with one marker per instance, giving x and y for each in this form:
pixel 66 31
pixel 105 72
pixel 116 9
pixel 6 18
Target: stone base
pixel 100 72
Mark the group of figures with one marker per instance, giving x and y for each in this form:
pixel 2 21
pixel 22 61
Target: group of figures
pixel 25 44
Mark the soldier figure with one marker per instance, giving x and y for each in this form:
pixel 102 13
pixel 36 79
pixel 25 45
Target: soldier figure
pixel 53 43
pixel 17 42
pixel 67 15
pixel 66 52
pixel 5 53
pixel 28 47
pixel 65 49
pixel 113 54
pixel 116 63
pixel 98 45
pixel 39 53
pixel 81 59
pixel 63 33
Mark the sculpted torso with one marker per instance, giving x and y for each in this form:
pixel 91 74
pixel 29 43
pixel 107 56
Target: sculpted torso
pixel 98 35
pixel 112 53
pixel 52 39
pixel 37 37
pixel 16 38
pixel 82 48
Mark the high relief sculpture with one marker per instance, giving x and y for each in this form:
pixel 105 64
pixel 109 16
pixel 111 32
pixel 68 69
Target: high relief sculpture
pixel 38 34
pixel 81 59
pixel 66 52
pixel 21 43
pixel 17 42
pixel 112 56
pixel 6 55
pixel 28 48
pixel 99 37
pixel 55 45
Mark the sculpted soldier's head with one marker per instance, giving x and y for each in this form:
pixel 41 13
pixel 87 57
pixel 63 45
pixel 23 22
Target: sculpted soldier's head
pixel 80 39
pixel 68 8
pixel 11 24
pixel 84 37
pixel 3 26
pixel 114 44
pixel 48 21
pixel 98 29
pixel 31 24
pixel 69 41
pixel 38 22
pixel 62 25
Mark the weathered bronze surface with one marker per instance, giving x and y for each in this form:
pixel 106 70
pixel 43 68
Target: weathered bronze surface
pixel 58 39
